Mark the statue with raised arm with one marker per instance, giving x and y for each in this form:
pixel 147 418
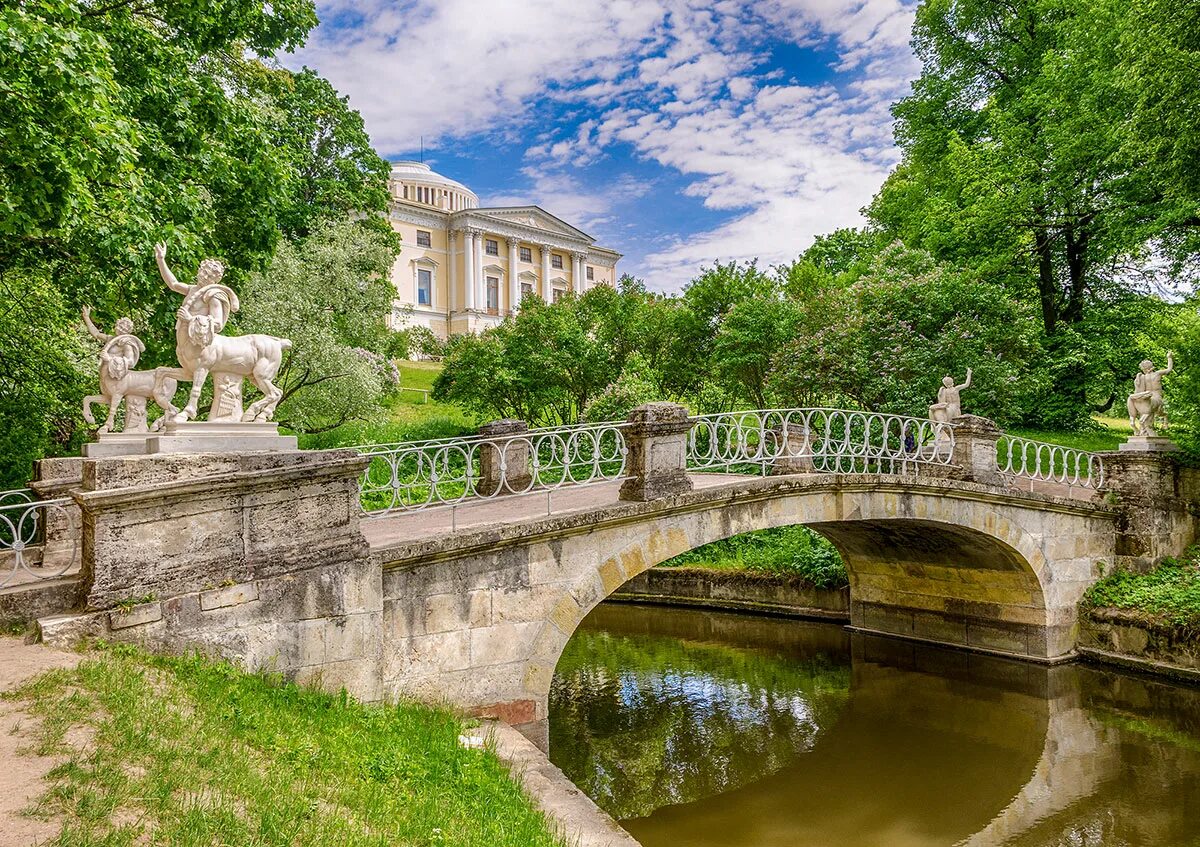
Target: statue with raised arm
pixel 949 402
pixel 201 349
pixel 1145 404
pixel 119 381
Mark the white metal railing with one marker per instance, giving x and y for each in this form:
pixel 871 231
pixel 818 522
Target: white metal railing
pixel 445 472
pixel 23 522
pixel 1040 461
pixel 818 440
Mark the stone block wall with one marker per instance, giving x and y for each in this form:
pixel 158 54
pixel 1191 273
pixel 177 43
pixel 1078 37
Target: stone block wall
pixel 256 557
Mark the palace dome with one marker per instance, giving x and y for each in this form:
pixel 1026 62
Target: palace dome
pixel 417 183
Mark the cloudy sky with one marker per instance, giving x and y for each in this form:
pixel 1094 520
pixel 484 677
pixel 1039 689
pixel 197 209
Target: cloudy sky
pixel 678 132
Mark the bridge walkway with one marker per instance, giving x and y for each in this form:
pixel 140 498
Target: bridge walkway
pixel 478 513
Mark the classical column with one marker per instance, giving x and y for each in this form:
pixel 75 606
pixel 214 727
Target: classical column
pixel 452 279
pixel 547 290
pixel 514 283
pixel 577 272
pixel 469 267
pixel 480 295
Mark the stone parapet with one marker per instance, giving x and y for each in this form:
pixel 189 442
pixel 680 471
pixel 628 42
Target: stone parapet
pixel 656 463
pixel 54 479
pixel 166 525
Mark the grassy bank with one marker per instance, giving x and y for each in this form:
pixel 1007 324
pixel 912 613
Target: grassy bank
pixel 788 550
pixel 187 751
pixel 1168 595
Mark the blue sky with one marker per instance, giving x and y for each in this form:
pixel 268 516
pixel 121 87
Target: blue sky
pixel 679 133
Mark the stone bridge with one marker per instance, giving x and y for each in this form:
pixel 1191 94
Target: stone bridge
pixel 484 554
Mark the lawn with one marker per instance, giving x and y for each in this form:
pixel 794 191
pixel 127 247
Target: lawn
pixel 189 751
pixel 785 551
pixel 410 416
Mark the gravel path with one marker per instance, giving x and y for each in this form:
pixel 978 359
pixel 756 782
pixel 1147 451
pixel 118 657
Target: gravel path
pixel 21 772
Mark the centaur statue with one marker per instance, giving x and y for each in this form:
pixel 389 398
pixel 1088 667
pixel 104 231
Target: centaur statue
pixel 201 349
pixel 1145 404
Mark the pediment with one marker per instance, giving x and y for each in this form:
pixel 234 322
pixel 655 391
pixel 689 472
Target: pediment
pixel 534 217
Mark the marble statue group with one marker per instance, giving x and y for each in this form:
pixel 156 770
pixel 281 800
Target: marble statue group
pixel 202 352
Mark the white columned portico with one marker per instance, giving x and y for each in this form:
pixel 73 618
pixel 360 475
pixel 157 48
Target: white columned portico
pixel 452 273
pixel 547 289
pixel 480 295
pixel 514 284
pixel 469 267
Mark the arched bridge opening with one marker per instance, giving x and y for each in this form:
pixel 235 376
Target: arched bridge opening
pixel 483 620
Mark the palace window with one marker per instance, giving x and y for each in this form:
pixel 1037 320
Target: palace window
pixel 491 247
pixel 493 295
pixel 526 254
pixel 526 289
pixel 591 272
pixel 556 261
pixel 424 287
pixel 424 238
pixel 558 294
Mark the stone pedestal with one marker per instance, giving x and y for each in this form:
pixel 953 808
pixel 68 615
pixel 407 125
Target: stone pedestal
pixel 504 465
pixel 975 441
pixel 1156 518
pixel 795 451
pixel 656 462
pixel 255 557
pixel 118 444
pixel 1149 444
pixel 219 437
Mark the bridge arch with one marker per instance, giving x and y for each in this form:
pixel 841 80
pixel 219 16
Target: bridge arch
pixel 942 560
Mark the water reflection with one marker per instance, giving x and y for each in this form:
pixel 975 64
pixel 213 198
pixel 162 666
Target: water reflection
pixel 702 728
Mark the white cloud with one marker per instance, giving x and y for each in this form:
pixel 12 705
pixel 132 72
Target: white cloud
pixel 683 83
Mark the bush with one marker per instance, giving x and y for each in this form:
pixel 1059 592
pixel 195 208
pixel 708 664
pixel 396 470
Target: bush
pixel 786 551
pixel 1168 594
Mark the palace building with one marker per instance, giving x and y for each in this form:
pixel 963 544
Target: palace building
pixel 462 268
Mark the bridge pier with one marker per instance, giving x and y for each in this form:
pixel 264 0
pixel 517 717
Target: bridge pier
pixel 1158 500
pixel 255 557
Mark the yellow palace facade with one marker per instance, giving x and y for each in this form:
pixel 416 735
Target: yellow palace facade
pixel 462 268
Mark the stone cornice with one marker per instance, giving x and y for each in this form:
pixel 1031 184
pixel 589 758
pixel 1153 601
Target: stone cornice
pixel 426 551
pixel 513 229
pixel 401 211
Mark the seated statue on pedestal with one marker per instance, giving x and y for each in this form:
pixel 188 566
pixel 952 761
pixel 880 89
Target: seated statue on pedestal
pixel 119 381
pixel 1145 404
pixel 949 404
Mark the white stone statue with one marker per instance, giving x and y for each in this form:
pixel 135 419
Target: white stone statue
pixel 119 381
pixel 202 350
pixel 949 404
pixel 1145 404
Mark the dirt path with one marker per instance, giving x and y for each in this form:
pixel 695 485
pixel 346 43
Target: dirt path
pixel 21 774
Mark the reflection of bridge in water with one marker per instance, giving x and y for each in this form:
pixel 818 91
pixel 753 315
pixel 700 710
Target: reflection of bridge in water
pixel 926 746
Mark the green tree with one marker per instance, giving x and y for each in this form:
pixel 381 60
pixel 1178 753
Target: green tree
pixel 747 342
pixel 885 342
pixel 1021 161
pixel 330 295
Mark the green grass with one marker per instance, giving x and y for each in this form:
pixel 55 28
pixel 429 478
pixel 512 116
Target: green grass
pixel 188 751
pixel 408 417
pixel 1169 594
pixel 785 551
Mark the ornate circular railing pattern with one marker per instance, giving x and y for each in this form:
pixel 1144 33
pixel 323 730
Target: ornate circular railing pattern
pixel 23 523
pixel 445 472
pixel 818 441
pixel 1041 461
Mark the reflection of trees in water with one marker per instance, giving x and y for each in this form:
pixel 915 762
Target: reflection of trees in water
pixel 643 722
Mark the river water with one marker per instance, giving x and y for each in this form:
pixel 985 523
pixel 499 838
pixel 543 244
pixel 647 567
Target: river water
pixel 712 729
